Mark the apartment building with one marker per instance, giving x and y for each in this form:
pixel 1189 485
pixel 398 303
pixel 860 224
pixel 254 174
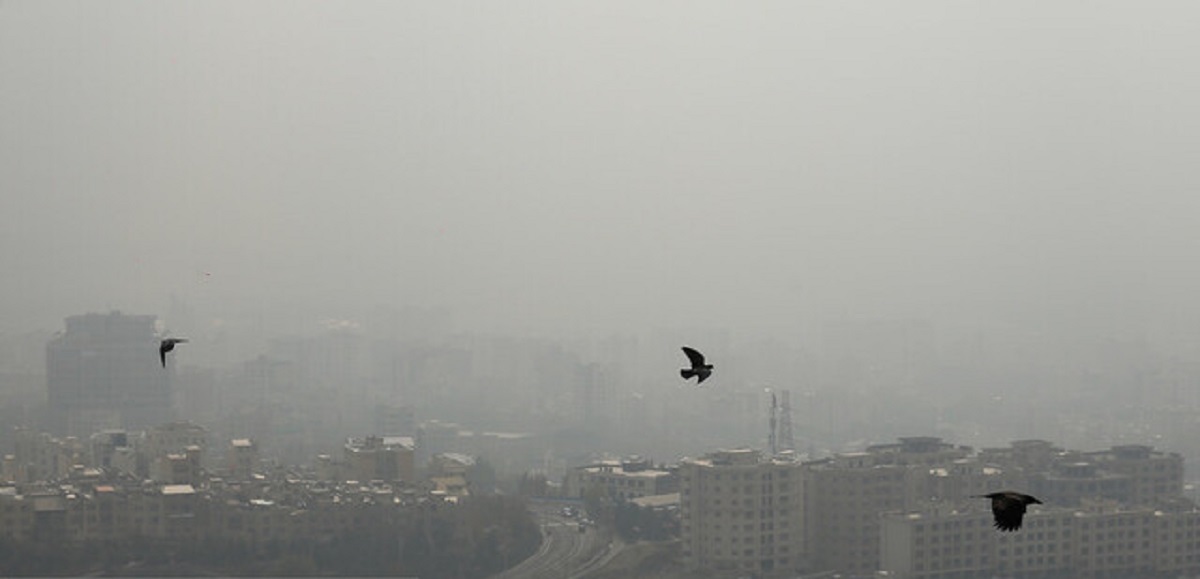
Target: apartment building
pixel 959 541
pixel 1127 474
pixel 917 451
pixel 622 480
pixel 174 437
pixel 843 496
pixel 1099 539
pixel 742 513
pixel 1154 476
pixel 386 458
pixel 40 456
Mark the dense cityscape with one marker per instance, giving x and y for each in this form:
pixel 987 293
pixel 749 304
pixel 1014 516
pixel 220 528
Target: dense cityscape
pixel 600 290
pixel 132 468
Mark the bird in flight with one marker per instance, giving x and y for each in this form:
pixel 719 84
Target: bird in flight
pixel 698 369
pixel 167 345
pixel 1008 508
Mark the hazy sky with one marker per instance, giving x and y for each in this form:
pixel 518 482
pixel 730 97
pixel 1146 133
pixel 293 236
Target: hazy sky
pixel 603 164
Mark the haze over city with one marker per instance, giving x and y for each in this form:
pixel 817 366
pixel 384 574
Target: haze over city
pixel 556 168
pixel 967 220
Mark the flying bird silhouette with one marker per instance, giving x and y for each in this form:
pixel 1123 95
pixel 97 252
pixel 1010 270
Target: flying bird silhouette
pixel 167 345
pixel 698 369
pixel 1008 508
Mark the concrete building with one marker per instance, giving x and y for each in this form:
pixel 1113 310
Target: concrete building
pixel 959 541
pixel 449 464
pixel 105 444
pixel 845 494
pixel 437 437
pixel 966 477
pixel 742 513
pixel 1096 540
pixel 39 456
pixel 622 480
pixel 1127 474
pixel 1154 476
pixel 918 451
pixel 174 437
pixel 178 468
pixel 1027 455
pixel 395 420
pixel 509 452
pixel 104 372
pixel 384 458
pixel 1070 483
pixel 241 458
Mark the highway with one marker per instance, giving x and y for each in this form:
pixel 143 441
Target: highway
pixel 565 552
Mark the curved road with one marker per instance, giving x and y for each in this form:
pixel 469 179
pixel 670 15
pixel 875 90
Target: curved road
pixel 564 552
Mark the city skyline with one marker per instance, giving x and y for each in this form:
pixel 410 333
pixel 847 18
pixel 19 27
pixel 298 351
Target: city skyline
pixel 460 245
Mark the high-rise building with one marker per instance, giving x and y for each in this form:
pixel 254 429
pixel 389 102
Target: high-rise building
pixel 395 420
pixel 844 495
pixel 1154 475
pixel 743 513
pixel 104 372
pixel 1097 539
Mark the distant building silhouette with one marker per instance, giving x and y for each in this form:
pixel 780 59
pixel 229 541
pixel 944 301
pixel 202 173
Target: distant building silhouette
pixel 785 438
pixel 103 373
pixel 395 420
pixel 241 459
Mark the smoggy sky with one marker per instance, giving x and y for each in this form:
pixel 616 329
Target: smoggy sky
pixel 613 165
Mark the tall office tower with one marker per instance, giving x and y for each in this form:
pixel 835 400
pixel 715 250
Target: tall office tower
pixel 103 372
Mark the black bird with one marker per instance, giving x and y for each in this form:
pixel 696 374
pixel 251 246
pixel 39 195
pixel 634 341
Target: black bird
pixel 167 345
pixel 698 369
pixel 1008 508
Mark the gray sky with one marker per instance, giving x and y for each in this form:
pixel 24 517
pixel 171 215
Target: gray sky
pixel 548 165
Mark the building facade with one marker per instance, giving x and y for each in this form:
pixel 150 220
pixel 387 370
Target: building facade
pixel 1096 540
pixel 384 458
pixel 104 372
pixel 622 480
pixel 742 513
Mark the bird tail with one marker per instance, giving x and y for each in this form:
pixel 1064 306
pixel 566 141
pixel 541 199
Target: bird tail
pixel 687 373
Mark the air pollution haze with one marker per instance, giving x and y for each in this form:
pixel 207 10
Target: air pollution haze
pixel 418 252
pixel 547 167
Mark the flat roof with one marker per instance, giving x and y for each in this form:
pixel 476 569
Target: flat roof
pixel 178 490
pixel 653 501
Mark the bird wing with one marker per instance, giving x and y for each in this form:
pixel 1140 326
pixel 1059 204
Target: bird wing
pixel 696 358
pixel 702 374
pixel 1007 513
pixel 162 355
